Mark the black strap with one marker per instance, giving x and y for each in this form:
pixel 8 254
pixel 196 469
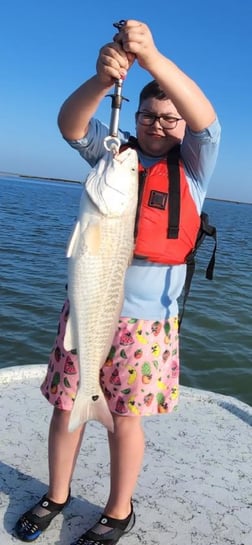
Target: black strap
pixel 132 142
pixel 190 268
pixel 204 230
pixel 207 230
pixel 174 192
pixel 142 177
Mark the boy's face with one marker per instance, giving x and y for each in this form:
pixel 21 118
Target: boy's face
pixel 154 139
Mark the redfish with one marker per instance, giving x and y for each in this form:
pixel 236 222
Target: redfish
pixel 99 251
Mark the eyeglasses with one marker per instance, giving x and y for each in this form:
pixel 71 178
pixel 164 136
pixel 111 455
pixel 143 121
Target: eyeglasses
pixel 166 121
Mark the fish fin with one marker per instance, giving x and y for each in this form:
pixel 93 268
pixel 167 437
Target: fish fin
pixel 85 409
pixel 72 239
pixel 69 341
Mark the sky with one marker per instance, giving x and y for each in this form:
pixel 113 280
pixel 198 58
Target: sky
pixel 49 48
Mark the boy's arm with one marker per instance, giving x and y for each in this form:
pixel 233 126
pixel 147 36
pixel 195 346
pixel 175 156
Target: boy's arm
pixel 134 41
pixel 79 108
pixel 185 94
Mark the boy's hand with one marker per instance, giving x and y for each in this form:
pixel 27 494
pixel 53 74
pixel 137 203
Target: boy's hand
pixel 113 63
pixel 136 39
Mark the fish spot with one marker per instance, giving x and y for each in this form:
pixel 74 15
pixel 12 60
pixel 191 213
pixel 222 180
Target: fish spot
pixel 94 398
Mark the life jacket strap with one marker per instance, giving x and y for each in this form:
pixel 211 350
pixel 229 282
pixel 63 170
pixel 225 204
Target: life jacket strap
pixel 174 193
pixel 204 230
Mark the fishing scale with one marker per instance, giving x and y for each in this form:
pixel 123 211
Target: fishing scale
pixel 112 142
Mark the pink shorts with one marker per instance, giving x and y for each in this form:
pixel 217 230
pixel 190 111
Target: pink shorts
pixel 139 377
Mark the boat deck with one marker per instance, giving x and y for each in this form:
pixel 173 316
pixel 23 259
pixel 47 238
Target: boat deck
pixel 194 488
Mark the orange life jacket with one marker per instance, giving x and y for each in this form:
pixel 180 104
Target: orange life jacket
pixel 167 221
pixel 168 228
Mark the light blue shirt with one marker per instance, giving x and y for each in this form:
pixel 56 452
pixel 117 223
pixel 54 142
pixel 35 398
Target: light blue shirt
pixel 152 290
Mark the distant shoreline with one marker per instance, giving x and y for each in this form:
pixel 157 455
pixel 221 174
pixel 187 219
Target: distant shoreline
pixel 43 178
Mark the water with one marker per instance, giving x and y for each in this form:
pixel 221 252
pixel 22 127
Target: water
pixel 216 342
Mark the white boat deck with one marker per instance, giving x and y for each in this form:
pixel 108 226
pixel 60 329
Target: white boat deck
pixel 196 483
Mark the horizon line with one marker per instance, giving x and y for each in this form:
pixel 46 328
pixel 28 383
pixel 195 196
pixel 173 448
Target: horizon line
pixel 52 179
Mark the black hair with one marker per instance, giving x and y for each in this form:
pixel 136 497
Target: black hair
pixel 152 90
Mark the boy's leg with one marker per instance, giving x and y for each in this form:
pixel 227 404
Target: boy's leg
pixel 126 455
pixel 63 450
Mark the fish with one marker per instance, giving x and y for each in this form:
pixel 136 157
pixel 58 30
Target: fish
pixel 99 252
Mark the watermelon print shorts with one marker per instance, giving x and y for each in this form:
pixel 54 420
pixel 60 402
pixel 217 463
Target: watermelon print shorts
pixel 139 377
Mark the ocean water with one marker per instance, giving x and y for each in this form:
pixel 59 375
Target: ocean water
pixel 36 217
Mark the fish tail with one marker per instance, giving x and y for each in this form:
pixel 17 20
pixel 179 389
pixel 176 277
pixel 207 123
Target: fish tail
pixel 85 408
